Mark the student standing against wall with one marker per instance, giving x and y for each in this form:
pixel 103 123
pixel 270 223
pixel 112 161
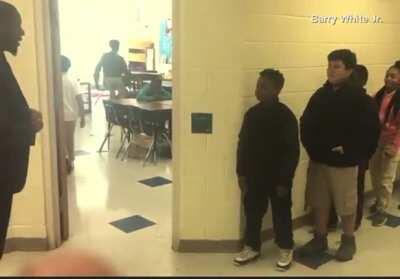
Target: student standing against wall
pixel 18 123
pixel 359 78
pixel 268 154
pixel 385 161
pixel 339 129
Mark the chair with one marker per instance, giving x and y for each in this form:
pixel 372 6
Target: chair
pixel 111 122
pixel 157 129
pixel 122 115
pixel 133 127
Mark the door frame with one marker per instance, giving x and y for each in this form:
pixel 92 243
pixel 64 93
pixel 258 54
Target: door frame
pixel 56 205
pixel 59 230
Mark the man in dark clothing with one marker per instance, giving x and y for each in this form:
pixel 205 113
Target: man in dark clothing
pixel 267 157
pixel 18 123
pixel 114 71
pixel 339 129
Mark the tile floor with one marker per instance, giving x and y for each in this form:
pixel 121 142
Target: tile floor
pixel 104 189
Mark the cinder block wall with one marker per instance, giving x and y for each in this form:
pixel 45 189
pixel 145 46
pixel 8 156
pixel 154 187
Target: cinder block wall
pixel 220 48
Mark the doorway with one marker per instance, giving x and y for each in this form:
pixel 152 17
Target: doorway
pixel 106 194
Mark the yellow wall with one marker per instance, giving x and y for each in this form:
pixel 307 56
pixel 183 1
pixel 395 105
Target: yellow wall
pixel 221 47
pixel 207 72
pixel 30 213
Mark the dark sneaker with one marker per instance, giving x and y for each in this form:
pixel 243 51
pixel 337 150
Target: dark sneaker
pixel 347 249
pixel 317 245
pixel 246 256
pixel 379 219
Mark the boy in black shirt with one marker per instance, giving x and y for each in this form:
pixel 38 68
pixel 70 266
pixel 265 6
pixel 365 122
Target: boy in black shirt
pixel 339 130
pixel 268 154
pixel 359 77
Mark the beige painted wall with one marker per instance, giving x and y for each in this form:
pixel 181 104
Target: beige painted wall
pixel 207 72
pixel 220 48
pixel 31 215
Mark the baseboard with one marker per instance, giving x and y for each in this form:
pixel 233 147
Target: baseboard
pixel 26 245
pixel 209 246
pixel 231 246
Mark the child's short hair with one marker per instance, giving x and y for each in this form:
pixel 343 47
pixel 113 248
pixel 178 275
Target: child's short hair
pixel 348 57
pixel 275 77
pixel 65 64
pixel 360 75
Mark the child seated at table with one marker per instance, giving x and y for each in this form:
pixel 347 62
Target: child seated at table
pixel 153 92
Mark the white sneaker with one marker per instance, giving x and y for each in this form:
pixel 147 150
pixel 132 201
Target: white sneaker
pixel 247 255
pixel 285 260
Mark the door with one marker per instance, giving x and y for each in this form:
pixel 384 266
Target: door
pixel 58 103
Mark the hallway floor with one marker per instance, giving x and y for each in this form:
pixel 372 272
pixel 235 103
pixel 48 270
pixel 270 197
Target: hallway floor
pixel 103 189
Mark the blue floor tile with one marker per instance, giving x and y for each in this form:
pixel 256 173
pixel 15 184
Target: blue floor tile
pixel 392 221
pixel 132 224
pixel 156 181
pixel 313 262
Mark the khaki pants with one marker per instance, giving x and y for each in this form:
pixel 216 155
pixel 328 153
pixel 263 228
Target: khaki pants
pixel 69 128
pixel 328 185
pixel 383 173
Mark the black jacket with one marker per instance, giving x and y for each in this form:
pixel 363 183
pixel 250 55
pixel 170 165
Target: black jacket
pixel 347 117
pixel 269 144
pixel 16 133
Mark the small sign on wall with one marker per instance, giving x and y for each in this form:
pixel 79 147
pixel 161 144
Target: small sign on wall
pixel 202 123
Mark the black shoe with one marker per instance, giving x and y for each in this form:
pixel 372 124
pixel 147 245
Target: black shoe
pixel 379 219
pixel 347 249
pixel 317 245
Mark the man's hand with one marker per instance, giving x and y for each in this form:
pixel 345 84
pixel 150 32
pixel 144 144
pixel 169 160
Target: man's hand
pixel 282 191
pixel 37 120
pixel 338 149
pixel 242 181
pixel 83 122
